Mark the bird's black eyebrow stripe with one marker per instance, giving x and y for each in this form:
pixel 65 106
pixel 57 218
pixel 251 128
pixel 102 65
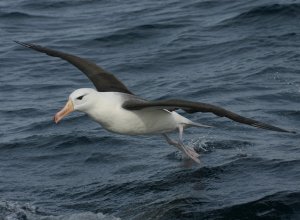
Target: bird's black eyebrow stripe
pixel 80 97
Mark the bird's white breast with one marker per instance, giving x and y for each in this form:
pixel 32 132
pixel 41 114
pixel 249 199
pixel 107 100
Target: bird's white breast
pixel 107 110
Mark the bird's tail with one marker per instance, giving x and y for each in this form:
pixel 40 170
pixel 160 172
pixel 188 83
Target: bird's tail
pixel 187 122
pixel 195 124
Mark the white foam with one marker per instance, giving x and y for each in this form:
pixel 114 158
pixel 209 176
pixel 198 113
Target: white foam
pixel 82 216
pixel 15 211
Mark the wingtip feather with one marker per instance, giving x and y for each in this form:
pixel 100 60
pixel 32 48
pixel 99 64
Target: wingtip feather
pixel 22 43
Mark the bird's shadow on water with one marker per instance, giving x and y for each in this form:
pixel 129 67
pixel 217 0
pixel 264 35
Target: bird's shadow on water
pixel 188 163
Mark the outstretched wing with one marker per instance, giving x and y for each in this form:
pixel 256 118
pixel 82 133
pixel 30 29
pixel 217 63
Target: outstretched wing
pixel 102 80
pixel 191 107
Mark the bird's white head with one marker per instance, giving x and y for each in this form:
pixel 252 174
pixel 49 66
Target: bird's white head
pixel 79 100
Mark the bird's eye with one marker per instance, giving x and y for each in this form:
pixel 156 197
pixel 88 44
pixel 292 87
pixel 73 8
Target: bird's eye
pixel 80 97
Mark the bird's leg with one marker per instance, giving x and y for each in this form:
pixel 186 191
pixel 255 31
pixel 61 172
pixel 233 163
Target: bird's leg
pixel 190 152
pixel 170 141
pixel 180 146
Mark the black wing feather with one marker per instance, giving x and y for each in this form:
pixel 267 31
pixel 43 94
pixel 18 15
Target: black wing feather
pixel 191 107
pixel 102 80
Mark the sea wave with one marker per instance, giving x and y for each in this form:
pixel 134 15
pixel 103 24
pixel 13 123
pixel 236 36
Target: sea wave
pixel 46 5
pixel 132 34
pixel 19 15
pixel 16 211
pixel 240 55
pixel 289 10
pixel 273 13
pixel 279 205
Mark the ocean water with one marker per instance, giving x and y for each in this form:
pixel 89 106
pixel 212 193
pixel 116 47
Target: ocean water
pixel 242 55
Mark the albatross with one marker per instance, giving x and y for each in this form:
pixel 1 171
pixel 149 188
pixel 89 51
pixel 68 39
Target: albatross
pixel 118 110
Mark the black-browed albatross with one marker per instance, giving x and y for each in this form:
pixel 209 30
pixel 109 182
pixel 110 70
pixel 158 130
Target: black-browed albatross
pixel 118 110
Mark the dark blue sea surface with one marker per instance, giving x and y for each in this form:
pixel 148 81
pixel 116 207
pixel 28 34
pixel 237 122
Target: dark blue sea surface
pixel 241 55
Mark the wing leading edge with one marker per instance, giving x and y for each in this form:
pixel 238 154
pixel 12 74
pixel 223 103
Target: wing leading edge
pixel 102 80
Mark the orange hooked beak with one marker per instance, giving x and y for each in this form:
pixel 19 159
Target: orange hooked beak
pixel 64 112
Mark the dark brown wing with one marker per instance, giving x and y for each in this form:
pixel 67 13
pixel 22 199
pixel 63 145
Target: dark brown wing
pixel 191 107
pixel 102 80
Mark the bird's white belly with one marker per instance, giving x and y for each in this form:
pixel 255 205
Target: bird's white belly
pixel 136 122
